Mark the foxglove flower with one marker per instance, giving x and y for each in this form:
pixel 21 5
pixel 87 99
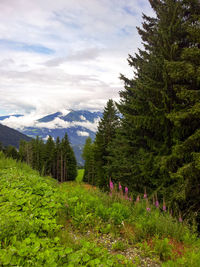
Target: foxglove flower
pixel 180 218
pixel 145 193
pixel 138 198
pixel 164 205
pixel 111 185
pixel 157 204
pixel 120 187
pixel 126 193
pixel 147 206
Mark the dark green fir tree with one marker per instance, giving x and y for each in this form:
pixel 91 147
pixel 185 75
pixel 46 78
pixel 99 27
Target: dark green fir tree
pixel 89 166
pixel 105 134
pixel 159 133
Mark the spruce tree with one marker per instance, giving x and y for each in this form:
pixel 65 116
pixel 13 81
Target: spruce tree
pixel 57 159
pixel 105 134
pixel 183 72
pixel 89 166
pixel 68 161
pixel 49 155
pixel 160 105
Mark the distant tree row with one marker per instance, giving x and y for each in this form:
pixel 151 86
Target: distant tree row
pixel 55 159
pixel 9 151
pixel 156 142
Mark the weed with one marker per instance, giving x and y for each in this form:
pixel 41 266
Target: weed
pixel 119 245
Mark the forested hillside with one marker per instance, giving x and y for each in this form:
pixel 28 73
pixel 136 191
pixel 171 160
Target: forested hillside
pixel 55 159
pixel 156 143
pixel 45 223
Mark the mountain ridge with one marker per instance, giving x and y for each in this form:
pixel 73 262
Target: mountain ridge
pixel 78 124
pixel 9 136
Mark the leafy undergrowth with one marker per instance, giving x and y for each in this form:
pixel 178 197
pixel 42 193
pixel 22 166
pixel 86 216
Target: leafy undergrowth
pixel 30 232
pixel 46 224
pixel 157 234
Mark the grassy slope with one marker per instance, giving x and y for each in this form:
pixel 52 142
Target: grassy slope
pixel 79 177
pixel 43 224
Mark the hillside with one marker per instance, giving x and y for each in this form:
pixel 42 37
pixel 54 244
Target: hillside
pixel 9 136
pixel 72 224
pixel 78 125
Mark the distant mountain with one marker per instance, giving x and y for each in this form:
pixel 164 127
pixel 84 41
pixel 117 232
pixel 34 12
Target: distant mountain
pixel 8 116
pixel 77 124
pixel 50 117
pixel 82 115
pixel 78 115
pixel 9 136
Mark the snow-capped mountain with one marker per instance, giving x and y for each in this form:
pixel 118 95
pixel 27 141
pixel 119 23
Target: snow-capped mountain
pixel 78 124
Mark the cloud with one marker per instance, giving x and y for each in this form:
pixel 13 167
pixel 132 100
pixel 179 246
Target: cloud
pixel 47 137
pixel 31 120
pixel 80 133
pixel 20 46
pixel 65 54
pixel 83 55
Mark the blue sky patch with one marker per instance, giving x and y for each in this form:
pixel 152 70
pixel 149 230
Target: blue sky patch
pixel 19 46
pixel 129 11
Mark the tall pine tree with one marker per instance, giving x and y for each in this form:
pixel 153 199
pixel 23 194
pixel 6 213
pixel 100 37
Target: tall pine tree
pixel 105 134
pixel 158 143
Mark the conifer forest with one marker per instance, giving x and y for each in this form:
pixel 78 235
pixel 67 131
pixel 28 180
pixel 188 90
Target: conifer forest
pixel 155 141
pixel 136 200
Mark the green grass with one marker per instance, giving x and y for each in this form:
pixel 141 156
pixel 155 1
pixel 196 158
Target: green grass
pixel 37 217
pixel 162 234
pixel 32 223
pixel 79 177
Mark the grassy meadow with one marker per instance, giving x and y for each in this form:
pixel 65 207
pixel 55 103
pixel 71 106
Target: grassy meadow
pixel 43 223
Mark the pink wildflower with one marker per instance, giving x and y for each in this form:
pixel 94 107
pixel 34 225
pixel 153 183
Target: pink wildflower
pixel 126 193
pixel 164 208
pixel 111 185
pixel 130 199
pixel 138 198
pixel 164 205
pixel 157 204
pixel 147 206
pixel 145 193
pixel 180 218
pixel 120 187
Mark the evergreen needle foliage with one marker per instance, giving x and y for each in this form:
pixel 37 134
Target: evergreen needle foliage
pixel 157 143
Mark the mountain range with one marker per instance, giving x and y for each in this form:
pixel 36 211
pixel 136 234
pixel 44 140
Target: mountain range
pixel 79 125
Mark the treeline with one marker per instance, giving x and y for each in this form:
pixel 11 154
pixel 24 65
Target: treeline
pixel 51 158
pixel 155 142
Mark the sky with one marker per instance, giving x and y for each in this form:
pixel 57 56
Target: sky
pixel 64 54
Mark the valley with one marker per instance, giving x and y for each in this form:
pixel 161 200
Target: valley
pixel 79 125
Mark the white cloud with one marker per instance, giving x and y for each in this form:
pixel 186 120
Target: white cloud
pixel 47 137
pixel 31 120
pixel 80 133
pixel 65 54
